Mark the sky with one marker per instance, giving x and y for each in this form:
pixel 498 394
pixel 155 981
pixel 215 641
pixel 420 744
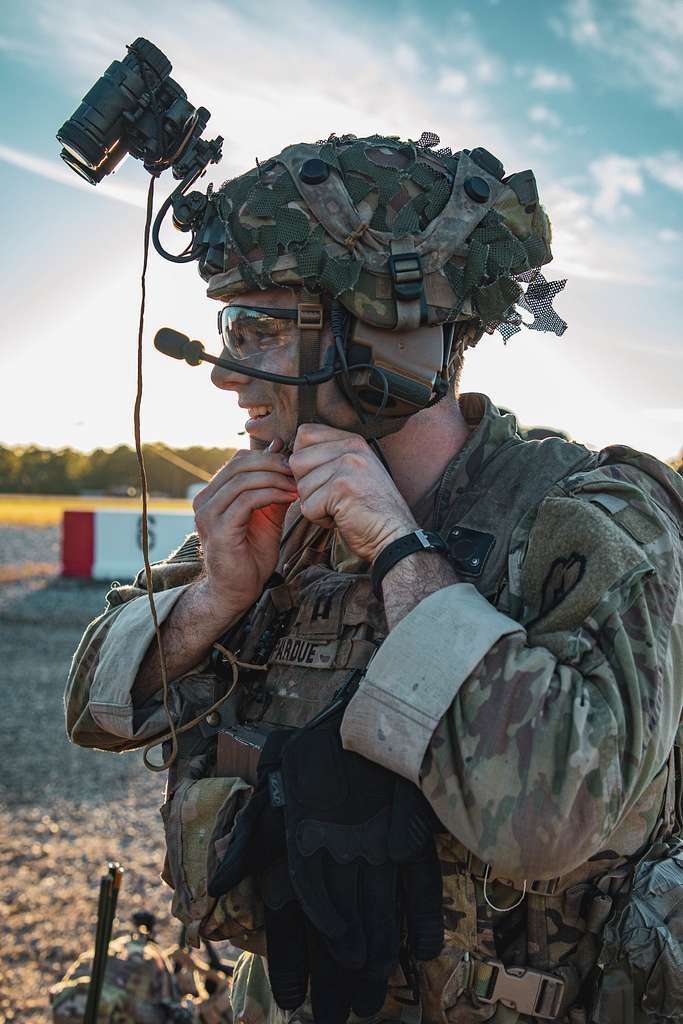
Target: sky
pixel 588 93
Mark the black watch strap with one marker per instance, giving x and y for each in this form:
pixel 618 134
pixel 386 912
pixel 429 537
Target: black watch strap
pixel 418 540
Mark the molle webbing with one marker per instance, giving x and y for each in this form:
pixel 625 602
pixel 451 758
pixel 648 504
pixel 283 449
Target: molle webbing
pixel 507 486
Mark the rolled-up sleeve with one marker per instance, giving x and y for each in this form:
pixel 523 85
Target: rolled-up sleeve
pixel 110 703
pixel 532 742
pixel 415 676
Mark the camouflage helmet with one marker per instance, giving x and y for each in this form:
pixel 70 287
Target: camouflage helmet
pixel 401 233
pixel 139 986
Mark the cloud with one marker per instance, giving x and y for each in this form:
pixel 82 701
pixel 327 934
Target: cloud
pixel 581 246
pixel 638 43
pixel 674 415
pixel 56 170
pixel 541 143
pixel 542 115
pixel 669 235
pixel 666 168
pixel 550 80
pixel 615 176
pixel 487 70
pixel 407 58
pixel 24 49
pixel 453 83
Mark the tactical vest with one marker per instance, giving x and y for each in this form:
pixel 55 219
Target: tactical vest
pixel 309 631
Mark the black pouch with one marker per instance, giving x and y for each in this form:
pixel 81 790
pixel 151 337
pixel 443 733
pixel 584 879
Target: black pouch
pixel 641 961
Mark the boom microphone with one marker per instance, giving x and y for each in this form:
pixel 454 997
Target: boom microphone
pixel 178 346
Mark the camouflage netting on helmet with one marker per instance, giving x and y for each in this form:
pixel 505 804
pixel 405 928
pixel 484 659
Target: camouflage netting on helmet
pixel 339 216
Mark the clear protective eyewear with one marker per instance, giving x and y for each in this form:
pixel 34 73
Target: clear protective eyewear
pixel 249 331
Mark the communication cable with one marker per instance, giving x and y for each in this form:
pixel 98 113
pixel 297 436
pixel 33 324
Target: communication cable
pixel 143 488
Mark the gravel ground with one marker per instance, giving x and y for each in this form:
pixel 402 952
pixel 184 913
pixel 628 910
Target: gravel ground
pixel 63 811
pixel 21 545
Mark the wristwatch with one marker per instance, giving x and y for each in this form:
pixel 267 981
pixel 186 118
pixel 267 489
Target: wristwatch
pixel 418 540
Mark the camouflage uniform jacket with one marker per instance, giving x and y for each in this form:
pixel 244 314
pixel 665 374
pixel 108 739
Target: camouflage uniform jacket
pixel 535 702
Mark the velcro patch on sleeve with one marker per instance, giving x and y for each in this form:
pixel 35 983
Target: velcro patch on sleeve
pixel 576 555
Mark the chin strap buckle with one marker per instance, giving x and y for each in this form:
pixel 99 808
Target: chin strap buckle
pixel 309 317
pixel 406 275
pixel 536 993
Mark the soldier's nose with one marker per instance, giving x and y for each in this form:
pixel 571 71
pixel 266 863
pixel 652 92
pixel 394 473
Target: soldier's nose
pixel 228 380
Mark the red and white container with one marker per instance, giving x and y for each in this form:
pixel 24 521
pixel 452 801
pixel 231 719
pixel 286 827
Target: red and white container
pixel 107 544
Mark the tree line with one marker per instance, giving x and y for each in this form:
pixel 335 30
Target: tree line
pixel 34 470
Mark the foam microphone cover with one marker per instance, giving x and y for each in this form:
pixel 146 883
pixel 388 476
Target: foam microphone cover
pixel 178 346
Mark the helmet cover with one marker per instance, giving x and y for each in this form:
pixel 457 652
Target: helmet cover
pixel 347 216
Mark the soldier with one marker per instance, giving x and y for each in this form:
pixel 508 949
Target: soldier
pixel 409 600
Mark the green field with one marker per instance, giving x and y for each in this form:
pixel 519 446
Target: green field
pixel 47 509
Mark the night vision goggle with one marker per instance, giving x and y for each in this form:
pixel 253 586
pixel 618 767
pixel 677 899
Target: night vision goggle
pixel 136 108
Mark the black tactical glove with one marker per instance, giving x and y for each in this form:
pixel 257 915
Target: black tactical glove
pixel 359 854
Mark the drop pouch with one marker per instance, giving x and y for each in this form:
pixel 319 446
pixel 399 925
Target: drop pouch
pixel 198 820
pixel 640 968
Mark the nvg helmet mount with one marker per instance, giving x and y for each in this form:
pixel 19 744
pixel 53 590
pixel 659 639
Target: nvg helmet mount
pixel 392 238
pixel 136 108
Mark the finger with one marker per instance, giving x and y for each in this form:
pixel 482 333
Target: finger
pixel 357 453
pixel 318 433
pixel 316 478
pixel 224 498
pixel 242 509
pixel 422 903
pixel 331 984
pixel 322 908
pixel 321 501
pixel 287 954
pixel 315 510
pixel 242 462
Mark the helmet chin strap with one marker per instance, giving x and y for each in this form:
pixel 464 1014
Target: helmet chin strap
pixel 310 323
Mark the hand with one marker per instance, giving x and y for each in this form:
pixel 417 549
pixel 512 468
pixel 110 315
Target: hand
pixel 342 483
pixel 239 517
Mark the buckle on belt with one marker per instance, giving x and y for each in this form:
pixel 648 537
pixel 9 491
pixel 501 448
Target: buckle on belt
pixel 524 989
pixel 406 275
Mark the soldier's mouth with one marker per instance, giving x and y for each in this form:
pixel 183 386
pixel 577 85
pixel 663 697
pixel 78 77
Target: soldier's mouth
pixel 258 414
